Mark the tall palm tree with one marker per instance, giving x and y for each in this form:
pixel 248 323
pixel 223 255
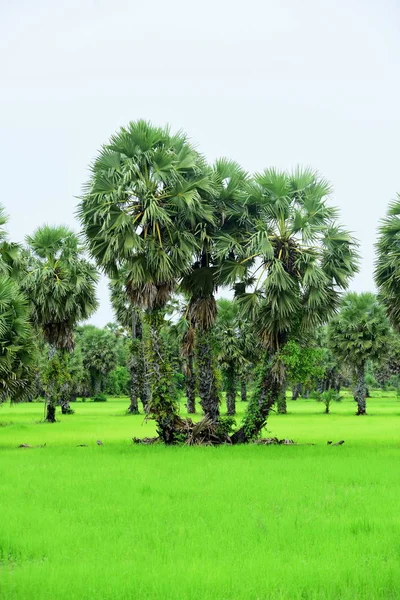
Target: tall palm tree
pixel 61 286
pixel 215 264
pixel 300 260
pixel 358 334
pixel 387 266
pixel 139 214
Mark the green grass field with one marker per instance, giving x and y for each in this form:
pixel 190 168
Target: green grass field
pixel 120 521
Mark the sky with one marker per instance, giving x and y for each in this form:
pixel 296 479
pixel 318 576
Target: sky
pixel 265 82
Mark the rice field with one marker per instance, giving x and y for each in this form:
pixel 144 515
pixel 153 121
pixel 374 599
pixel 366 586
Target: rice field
pixel 119 521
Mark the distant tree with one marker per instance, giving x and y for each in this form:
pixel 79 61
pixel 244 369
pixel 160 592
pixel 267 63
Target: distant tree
pixel 61 287
pixel 100 355
pixel 233 343
pixel 357 334
pixel 130 317
pixel 303 364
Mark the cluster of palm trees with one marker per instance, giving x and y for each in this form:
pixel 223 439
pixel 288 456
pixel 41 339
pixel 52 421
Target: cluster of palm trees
pixel 162 223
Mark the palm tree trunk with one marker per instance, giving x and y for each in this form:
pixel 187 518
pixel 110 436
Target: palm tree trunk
pixel 96 384
pixel 209 398
pixel 163 404
pixel 134 390
pixel 281 402
pixel 51 392
pixel 231 391
pixel 191 385
pixel 144 378
pixel 296 391
pixel 260 405
pixel 65 406
pixel 360 390
pixel 243 389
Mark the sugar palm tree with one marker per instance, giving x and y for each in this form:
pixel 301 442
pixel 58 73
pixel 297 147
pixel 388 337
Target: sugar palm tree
pixel 139 214
pixel 358 334
pixel 10 252
pixel 17 350
pixel 215 264
pixel 61 287
pixel 300 260
pixel 387 266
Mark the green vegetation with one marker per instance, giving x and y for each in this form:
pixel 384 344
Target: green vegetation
pixel 274 522
pixel 94 501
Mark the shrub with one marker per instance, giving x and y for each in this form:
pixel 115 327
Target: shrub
pixel 100 398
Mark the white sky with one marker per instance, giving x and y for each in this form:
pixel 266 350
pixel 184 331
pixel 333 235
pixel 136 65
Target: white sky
pixel 265 82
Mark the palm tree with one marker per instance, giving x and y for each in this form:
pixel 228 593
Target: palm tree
pixel 387 266
pixel 17 349
pixel 300 260
pixel 139 214
pixel 61 287
pixel 131 318
pixel 215 265
pixel 359 333
pixel 10 252
pixel 100 354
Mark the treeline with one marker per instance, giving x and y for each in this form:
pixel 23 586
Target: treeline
pixel 170 230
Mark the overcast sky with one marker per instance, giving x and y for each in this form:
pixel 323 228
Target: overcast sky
pixel 265 82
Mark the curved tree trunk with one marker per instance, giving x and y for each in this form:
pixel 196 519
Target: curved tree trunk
pixel 261 402
pixel 243 389
pixel 163 405
pixel 360 391
pixel 209 398
pixel 190 385
pixel 231 391
pixel 134 362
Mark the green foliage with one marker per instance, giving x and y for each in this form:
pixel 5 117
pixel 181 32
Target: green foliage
pixel 303 364
pixel 60 284
pixel 360 331
pixel 56 379
pixel 301 258
pixel 387 266
pixel 99 349
pixel 117 382
pixel 225 426
pixel 17 350
pixel 99 398
pixel 327 397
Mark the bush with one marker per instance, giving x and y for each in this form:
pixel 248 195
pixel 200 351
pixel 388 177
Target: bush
pixel 100 398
